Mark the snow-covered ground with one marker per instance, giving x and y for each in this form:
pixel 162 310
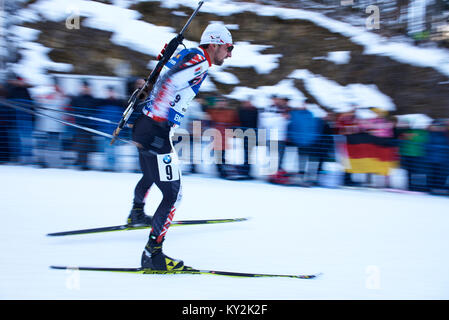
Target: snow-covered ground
pixel 369 245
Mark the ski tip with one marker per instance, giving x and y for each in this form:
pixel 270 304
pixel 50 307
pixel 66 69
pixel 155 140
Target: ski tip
pixel 62 233
pixel 62 267
pixel 316 275
pixel 59 234
pixel 67 268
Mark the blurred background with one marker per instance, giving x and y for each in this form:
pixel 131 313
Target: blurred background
pixel 358 91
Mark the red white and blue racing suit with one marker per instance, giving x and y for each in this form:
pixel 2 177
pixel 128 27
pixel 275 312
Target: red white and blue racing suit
pixel 163 110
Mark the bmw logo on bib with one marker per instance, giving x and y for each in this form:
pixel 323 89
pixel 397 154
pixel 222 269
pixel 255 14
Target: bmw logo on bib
pixel 167 159
pixel 168 167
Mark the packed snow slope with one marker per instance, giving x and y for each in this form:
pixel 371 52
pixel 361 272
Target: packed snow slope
pixel 369 245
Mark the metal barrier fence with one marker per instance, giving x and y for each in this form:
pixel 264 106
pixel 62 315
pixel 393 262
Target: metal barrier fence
pixel 52 136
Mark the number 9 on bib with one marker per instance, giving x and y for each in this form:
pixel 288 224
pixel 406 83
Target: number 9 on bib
pixel 168 167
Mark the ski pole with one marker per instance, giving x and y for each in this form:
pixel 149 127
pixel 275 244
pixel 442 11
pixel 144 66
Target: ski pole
pixel 163 58
pixel 97 132
pixel 26 103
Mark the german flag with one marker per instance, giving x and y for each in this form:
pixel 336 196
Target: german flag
pixel 370 154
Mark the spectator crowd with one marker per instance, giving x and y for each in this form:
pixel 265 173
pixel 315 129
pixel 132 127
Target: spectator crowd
pixel 373 146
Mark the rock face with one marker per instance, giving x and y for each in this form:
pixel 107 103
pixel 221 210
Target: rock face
pixel 412 89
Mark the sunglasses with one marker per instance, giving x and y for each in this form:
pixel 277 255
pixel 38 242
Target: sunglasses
pixel 229 47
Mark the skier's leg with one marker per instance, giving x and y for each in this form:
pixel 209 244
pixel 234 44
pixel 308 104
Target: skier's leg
pixel 137 215
pixel 163 217
pixel 147 179
pixel 152 256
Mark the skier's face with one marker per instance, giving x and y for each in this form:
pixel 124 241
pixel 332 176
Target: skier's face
pixel 221 53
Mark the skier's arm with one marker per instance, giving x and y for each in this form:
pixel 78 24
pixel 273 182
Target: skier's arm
pixel 174 91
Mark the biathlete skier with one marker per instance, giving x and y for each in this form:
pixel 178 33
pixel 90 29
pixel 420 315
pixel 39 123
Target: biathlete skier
pixel 162 111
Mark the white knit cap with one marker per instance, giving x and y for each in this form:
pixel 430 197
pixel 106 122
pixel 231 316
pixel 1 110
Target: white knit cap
pixel 216 33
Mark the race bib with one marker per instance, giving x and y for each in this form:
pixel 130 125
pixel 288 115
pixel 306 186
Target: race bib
pixel 168 167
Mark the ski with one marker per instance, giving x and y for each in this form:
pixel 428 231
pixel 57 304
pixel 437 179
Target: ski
pixel 126 227
pixel 190 270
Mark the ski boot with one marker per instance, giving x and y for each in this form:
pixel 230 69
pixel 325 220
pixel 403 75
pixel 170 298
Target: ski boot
pixel 137 216
pixel 153 258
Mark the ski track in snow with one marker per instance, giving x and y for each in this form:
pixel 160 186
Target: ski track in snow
pixel 369 245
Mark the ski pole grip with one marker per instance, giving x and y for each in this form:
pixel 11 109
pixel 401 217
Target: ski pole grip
pixel 115 135
pixel 118 129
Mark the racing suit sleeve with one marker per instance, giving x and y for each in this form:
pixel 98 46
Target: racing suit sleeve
pixel 175 89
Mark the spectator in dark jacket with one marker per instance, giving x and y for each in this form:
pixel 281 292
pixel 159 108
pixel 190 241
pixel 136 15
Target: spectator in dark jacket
pixel 437 157
pixel 248 116
pixel 325 144
pixel 22 130
pixel 110 109
pixel 84 104
pixel 6 120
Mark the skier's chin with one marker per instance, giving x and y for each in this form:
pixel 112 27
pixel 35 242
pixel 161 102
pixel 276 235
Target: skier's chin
pixel 219 62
